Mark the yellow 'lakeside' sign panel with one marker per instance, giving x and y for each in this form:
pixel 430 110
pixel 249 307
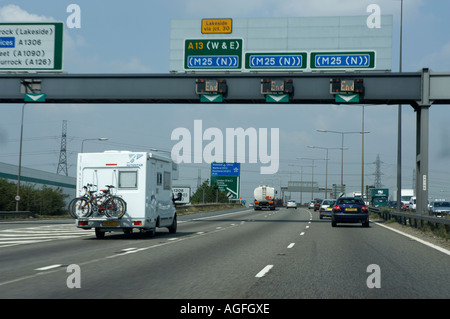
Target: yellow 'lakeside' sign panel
pixel 216 25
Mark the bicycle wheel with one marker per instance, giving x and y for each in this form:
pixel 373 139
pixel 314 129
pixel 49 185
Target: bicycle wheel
pixel 80 208
pixel 115 207
pixel 70 207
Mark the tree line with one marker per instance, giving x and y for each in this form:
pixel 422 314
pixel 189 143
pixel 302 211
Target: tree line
pixel 44 201
pixel 209 194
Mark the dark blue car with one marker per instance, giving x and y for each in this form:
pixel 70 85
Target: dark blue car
pixel 350 210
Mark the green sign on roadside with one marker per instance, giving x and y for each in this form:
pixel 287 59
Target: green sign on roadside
pixel 342 60
pixel 213 54
pixel 31 46
pixel 275 61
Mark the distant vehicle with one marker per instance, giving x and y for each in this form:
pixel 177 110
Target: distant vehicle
pixel 440 208
pixel 317 204
pixel 291 204
pixel 264 197
pixel 412 203
pixel 326 207
pixel 350 210
pixel 392 204
pixel 379 197
pixel 311 204
pixel 405 196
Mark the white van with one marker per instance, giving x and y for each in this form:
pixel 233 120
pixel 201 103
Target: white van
pixel 143 180
pixel 412 203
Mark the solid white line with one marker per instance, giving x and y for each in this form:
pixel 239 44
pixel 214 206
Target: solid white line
pixel 291 245
pixel 48 267
pixel 264 271
pixel 445 251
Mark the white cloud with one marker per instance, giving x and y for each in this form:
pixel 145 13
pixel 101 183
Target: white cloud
pixel 13 13
pixel 74 59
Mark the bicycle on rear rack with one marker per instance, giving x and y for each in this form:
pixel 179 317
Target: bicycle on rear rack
pixel 82 206
pixel 113 206
pixel 104 203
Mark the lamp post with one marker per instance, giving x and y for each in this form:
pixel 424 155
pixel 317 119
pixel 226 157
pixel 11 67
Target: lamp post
pixel 326 166
pixel 399 124
pixel 17 198
pixel 312 178
pixel 92 139
pixel 301 180
pixel 160 150
pixel 342 152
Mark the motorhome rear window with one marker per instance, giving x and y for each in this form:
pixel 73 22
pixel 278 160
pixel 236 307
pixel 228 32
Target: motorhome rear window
pixel 158 178
pixel 128 179
pixel 167 180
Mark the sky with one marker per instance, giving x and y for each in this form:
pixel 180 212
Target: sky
pixel 133 37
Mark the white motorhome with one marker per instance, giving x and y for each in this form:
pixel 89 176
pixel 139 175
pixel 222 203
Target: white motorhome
pixel 142 179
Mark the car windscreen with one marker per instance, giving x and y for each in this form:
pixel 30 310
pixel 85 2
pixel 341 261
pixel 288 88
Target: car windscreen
pixel 349 201
pixel 441 204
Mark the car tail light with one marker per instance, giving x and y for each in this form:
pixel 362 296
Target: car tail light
pixel 364 209
pixel 83 223
pixel 337 208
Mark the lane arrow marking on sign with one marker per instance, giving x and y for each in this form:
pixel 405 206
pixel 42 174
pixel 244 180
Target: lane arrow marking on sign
pixel 34 97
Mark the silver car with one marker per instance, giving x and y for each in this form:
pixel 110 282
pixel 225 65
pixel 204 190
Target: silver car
pixel 326 207
pixel 440 208
pixel 291 204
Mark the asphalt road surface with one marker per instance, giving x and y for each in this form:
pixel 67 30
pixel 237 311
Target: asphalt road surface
pixel 282 254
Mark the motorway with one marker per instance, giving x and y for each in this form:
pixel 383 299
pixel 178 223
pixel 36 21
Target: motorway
pixel 282 254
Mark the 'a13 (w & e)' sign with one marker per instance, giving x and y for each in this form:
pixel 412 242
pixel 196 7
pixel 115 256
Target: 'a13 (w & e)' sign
pixel 213 54
pixel 31 46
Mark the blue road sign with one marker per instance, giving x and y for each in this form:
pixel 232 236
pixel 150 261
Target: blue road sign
pixel 213 61
pixel 7 42
pixel 225 169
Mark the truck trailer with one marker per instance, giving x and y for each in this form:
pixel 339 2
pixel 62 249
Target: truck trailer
pixel 264 197
pixel 379 197
pixel 405 196
pixel 142 179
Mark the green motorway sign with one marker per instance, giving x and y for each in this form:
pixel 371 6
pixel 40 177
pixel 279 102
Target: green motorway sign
pixel 213 54
pixel 227 184
pixel 342 60
pixel 275 60
pixel 227 177
pixel 31 46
